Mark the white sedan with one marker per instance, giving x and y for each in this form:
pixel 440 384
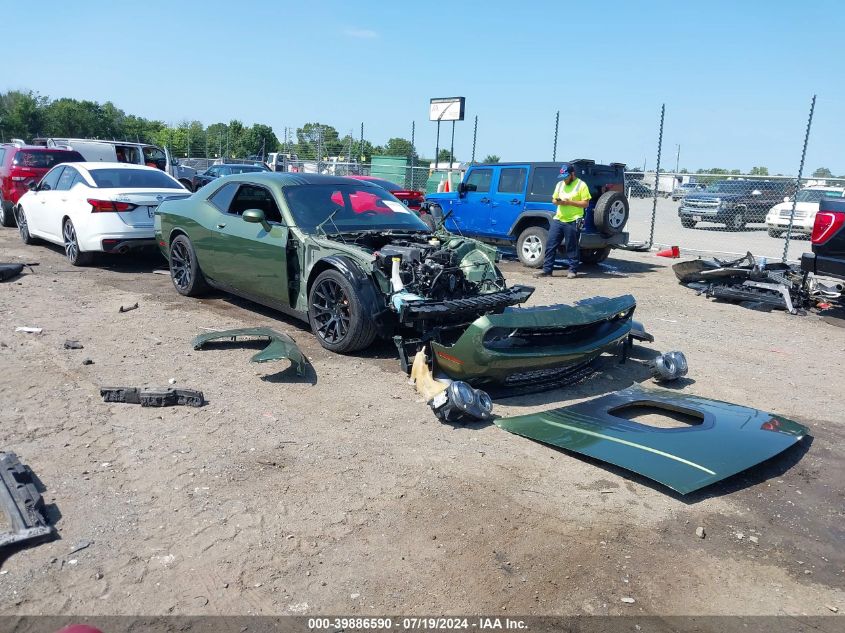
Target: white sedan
pixel 95 207
pixel 806 207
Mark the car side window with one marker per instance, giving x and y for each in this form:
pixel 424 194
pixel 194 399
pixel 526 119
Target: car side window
pixel 222 198
pixel 2 155
pixel 512 180
pixel 51 178
pixel 255 197
pixel 77 179
pixel 223 171
pixel 213 171
pixel 481 178
pixel 66 179
pixel 544 181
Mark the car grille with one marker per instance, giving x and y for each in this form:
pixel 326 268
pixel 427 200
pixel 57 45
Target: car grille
pixel 784 213
pixel 701 203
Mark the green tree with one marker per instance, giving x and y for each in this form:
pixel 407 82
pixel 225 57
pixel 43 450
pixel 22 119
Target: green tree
pixel 312 136
pixel 399 147
pixel 21 114
pixel 445 157
pixel 759 171
pixel 491 158
pixel 822 172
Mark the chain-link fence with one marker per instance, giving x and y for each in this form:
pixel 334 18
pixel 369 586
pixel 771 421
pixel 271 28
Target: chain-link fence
pixel 728 214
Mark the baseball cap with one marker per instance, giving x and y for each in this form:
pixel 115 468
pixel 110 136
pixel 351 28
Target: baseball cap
pixel 565 170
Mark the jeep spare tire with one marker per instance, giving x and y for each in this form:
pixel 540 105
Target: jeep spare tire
pixel 611 213
pixel 531 246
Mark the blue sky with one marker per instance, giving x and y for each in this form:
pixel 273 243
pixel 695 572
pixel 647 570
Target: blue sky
pixel 736 77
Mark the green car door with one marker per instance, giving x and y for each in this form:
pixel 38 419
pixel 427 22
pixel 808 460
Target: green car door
pixel 246 255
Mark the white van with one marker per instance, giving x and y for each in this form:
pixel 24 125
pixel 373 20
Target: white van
pixel 125 152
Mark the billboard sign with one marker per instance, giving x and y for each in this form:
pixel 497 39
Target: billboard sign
pixel 446 109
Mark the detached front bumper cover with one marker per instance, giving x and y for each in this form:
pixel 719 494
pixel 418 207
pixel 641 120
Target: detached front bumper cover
pixel 535 345
pixel 281 345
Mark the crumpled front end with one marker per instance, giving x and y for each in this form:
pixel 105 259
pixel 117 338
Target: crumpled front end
pixel 524 346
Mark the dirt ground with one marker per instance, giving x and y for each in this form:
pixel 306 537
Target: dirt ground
pixel 340 492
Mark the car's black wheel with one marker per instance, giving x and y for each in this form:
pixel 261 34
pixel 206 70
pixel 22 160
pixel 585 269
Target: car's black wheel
pixel 688 223
pixel 23 227
pixel 774 233
pixel 737 221
pixel 7 216
pixel 594 255
pixel 611 212
pixel 337 314
pixel 531 246
pixel 185 272
pixel 187 185
pixel 71 242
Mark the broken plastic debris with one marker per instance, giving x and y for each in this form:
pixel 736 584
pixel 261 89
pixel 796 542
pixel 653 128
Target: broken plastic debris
pixel 28 330
pixel 281 345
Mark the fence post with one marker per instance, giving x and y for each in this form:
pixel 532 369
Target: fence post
pixel 474 136
pixel 798 180
pixel 554 149
pixel 656 176
pixel 409 182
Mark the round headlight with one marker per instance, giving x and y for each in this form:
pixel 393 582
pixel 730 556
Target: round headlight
pixel 462 393
pixel 484 401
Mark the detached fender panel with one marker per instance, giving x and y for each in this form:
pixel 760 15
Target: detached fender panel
pixel 280 345
pixel 730 438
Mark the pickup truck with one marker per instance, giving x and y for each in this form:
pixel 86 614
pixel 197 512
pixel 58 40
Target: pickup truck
pixel 510 204
pixel 733 203
pixel 828 239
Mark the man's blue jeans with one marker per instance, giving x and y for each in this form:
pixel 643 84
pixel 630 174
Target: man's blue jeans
pixel 562 233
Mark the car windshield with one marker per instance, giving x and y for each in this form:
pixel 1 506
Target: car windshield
pixel 45 159
pixel 385 184
pixel 729 186
pixel 814 195
pixel 351 207
pixel 133 178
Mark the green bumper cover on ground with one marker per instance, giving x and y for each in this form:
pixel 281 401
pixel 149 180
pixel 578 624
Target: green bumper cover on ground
pixel 729 439
pixel 281 345
pixel 522 345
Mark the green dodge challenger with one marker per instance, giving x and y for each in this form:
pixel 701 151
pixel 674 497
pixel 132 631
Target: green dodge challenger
pixel 355 263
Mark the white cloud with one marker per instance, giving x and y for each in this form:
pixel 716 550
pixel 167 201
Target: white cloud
pixel 363 34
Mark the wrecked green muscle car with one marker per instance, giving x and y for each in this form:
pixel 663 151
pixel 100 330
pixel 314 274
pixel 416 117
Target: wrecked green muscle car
pixel 356 264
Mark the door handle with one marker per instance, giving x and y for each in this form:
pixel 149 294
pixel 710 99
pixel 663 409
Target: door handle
pixel 516 201
pixel 484 200
pixel 221 226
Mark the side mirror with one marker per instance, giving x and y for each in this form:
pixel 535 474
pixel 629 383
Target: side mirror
pixel 33 186
pixel 42 187
pixel 256 216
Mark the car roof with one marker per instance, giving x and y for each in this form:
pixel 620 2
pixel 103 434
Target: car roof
pixel 237 165
pixel 287 179
pixel 95 165
pixel 37 148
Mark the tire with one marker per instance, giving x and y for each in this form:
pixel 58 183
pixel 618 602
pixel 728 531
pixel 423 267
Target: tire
pixel 773 233
pixel 185 271
pixel 187 185
pixel 531 246
pixel 611 213
pixel 7 217
pixel 737 222
pixel 594 255
pixel 23 226
pixel 687 223
pixel 74 255
pixel 336 314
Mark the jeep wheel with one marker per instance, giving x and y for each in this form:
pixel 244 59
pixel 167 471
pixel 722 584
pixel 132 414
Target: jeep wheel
pixel 336 314
pixel 7 217
pixel 611 212
pixel 688 223
pixel 531 246
pixel 737 222
pixel 594 255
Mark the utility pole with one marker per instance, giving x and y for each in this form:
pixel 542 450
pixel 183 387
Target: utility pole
pixel 678 159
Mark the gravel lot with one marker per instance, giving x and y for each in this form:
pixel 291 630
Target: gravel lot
pixel 339 492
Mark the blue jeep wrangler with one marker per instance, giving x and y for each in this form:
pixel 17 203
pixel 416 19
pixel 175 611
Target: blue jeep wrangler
pixel 510 204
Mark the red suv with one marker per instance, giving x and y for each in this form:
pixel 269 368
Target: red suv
pixel 21 165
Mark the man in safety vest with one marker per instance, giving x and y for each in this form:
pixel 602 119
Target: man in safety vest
pixel 571 196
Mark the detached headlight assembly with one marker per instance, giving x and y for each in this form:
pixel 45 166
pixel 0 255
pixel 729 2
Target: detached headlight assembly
pixel 669 366
pixel 461 401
